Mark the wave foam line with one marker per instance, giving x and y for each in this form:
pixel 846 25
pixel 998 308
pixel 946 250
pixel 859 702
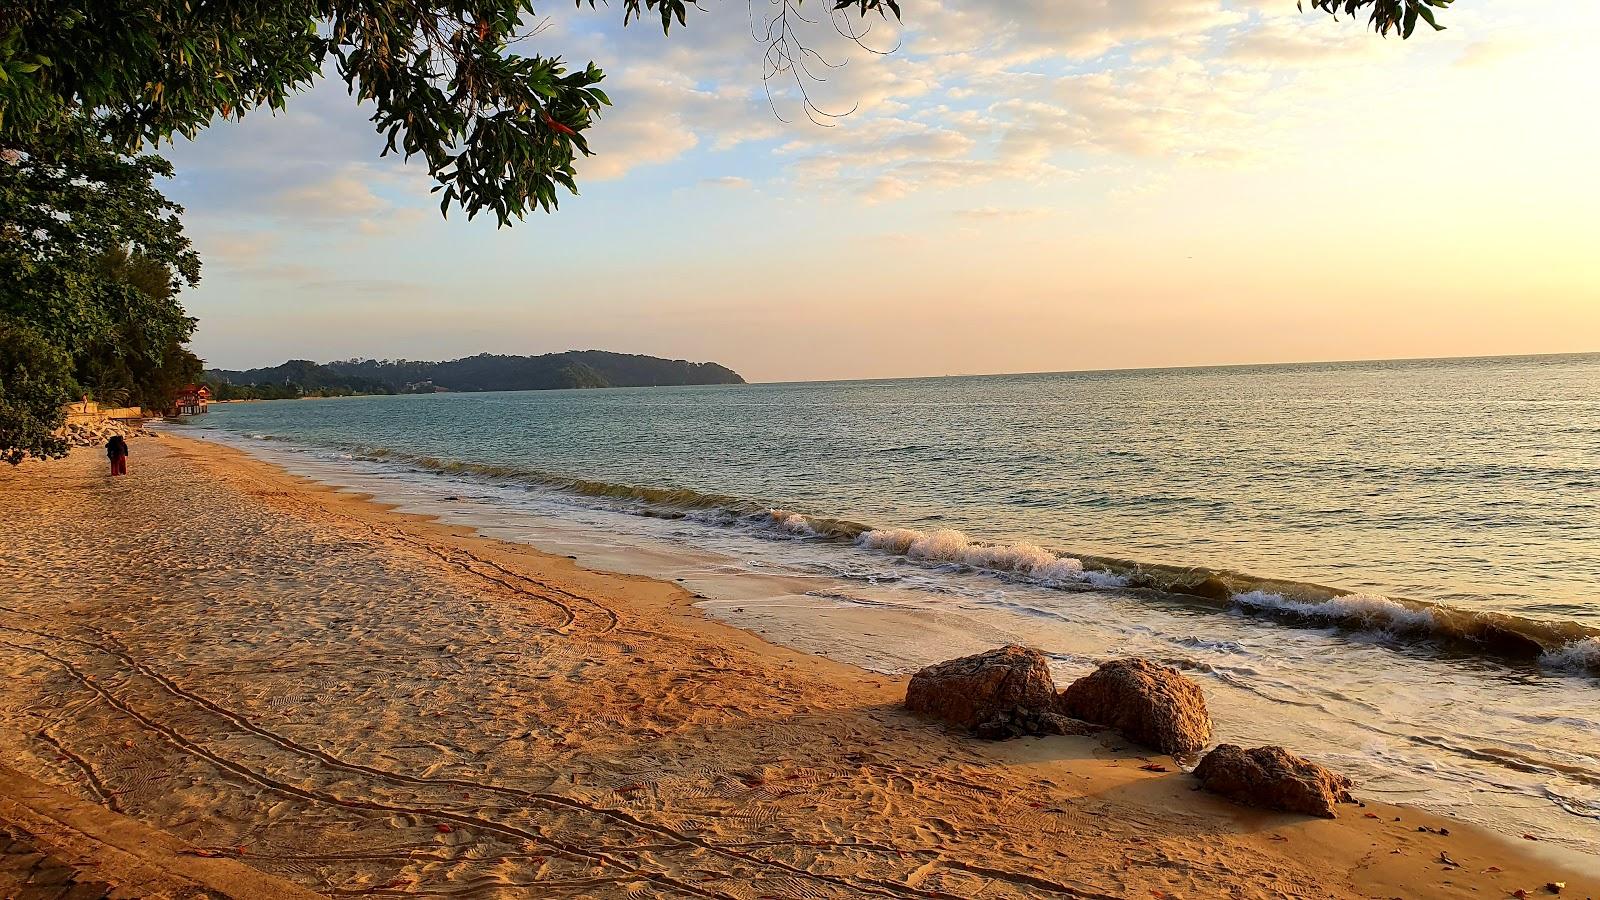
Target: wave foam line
pixel 1575 656
pixel 1562 646
pixel 949 546
pixel 1368 612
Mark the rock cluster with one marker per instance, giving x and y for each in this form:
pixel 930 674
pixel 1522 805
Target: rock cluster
pixel 1273 778
pixel 1008 692
pixel 95 434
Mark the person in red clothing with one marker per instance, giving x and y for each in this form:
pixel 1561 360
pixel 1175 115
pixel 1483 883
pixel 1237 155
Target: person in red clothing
pixel 117 452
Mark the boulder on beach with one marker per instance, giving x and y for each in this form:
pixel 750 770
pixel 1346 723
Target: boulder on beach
pixel 999 686
pixel 1273 778
pixel 1147 703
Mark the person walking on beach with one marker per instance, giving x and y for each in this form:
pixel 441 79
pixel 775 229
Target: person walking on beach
pixel 117 452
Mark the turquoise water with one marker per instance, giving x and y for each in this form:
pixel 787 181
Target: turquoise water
pixel 1399 561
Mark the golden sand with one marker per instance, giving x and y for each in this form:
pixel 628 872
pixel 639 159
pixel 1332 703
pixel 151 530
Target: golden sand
pixel 367 703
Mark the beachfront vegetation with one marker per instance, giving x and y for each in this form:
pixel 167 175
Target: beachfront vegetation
pixel 35 382
pixel 498 131
pixel 225 391
pixel 91 259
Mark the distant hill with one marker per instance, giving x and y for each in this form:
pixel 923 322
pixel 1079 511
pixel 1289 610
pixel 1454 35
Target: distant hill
pixel 484 372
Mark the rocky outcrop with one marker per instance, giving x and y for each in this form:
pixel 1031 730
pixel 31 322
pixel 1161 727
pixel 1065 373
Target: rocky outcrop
pixel 1147 703
pixel 1273 778
pixel 1000 690
pixel 95 434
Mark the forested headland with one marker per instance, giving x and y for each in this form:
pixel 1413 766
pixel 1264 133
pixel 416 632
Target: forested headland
pixel 484 372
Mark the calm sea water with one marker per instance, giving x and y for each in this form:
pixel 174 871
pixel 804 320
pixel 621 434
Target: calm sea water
pixel 1394 567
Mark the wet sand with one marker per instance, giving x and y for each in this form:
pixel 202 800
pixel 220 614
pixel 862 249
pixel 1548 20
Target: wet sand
pixel 366 703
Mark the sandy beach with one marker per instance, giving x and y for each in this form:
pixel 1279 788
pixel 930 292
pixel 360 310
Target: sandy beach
pixel 365 703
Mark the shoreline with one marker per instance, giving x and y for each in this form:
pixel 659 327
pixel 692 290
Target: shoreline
pixel 867 768
pixel 1516 640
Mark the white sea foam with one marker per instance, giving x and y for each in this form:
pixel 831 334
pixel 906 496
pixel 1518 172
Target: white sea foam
pixel 1363 610
pixel 792 523
pixel 949 546
pixel 1104 579
pixel 1577 656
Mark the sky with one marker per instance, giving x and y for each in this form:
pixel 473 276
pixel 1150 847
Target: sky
pixel 1019 186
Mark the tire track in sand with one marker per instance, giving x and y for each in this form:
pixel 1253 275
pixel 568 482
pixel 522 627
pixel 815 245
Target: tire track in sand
pixel 549 801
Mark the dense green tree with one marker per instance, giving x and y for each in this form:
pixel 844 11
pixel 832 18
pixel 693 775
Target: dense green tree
pixel 140 360
pixel 498 131
pixel 35 382
pixel 91 259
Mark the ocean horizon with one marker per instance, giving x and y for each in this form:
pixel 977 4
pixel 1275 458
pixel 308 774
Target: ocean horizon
pixel 1280 364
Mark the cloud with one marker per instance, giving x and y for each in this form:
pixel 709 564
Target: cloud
pixel 630 143
pixel 350 201
pixel 232 248
pixel 1280 42
pixel 343 195
pixel 315 166
pixel 731 182
pixel 394 220
pixel 1484 54
pixel 1077 29
pixel 978 92
pixel 996 213
pixel 1183 108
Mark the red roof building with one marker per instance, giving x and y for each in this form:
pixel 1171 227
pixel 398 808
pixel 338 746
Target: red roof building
pixel 192 401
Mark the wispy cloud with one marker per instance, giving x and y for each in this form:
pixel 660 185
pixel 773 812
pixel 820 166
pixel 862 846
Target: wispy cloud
pixel 998 213
pixel 730 182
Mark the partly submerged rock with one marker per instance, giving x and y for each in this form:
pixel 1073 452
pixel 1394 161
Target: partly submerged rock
pixel 1149 704
pixel 1273 778
pixel 999 686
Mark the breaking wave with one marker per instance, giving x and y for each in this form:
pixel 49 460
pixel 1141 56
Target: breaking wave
pixel 1563 646
pixel 1027 560
pixel 1366 612
pixel 1575 656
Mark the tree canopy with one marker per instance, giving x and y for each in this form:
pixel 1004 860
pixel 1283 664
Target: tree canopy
pixel 35 382
pixel 91 259
pixel 498 131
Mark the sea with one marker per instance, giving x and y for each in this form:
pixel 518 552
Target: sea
pixel 1392 568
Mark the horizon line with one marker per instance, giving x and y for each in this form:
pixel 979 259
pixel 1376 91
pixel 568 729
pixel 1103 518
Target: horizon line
pixel 1193 366
pixel 1107 370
